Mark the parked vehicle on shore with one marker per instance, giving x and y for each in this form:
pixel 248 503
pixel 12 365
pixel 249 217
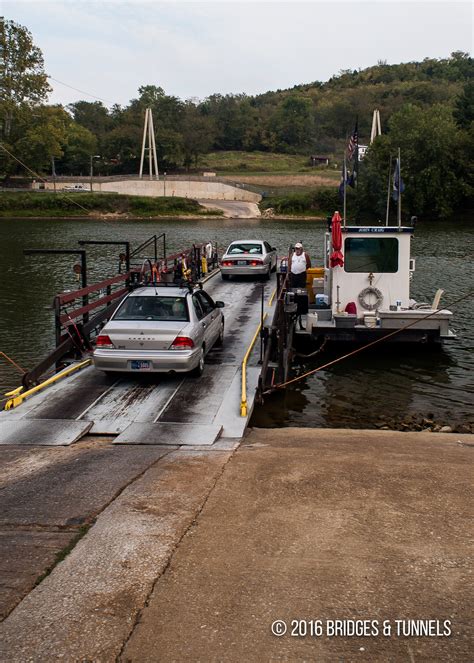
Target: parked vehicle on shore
pixel 249 257
pixel 161 329
pixel 76 187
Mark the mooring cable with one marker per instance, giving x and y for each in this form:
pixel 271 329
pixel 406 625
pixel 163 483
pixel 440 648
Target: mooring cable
pixel 22 370
pixel 364 347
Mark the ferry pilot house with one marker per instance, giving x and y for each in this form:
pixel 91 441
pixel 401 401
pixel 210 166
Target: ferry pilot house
pixel 371 254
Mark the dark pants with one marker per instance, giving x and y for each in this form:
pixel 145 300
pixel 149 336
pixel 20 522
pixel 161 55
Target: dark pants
pixel 298 280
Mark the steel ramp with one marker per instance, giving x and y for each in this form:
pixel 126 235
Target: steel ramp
pixel 43 432
pixel 170 434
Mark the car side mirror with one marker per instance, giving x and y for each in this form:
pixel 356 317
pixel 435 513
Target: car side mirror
pixel 273 248
pixel 219 304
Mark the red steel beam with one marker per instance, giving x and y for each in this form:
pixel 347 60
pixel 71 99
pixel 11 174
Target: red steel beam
pixel 68 317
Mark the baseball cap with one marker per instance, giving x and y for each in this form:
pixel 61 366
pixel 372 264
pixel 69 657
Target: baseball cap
pixel 298 245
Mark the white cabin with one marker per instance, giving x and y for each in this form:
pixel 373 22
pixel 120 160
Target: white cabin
pixel 376 278
pixel 375 258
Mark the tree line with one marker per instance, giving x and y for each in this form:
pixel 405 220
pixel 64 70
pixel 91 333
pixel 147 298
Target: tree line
pixel 427 110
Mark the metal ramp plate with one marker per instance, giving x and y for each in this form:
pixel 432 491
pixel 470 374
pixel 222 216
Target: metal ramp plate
pixel 168 433
pixel 43 432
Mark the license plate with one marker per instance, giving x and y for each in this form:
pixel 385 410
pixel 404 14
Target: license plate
pixel 241 262
pixel 140 365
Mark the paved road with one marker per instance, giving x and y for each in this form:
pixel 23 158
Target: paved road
pixel 233 209
pixel 198 554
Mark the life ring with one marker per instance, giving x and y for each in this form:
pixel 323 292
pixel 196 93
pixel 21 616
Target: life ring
pixel 367 292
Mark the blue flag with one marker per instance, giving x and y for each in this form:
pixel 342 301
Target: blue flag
pixel 346 179
pixel 398 185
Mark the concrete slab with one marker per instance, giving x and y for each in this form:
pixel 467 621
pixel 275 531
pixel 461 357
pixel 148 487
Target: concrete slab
pixel 24 557
pixel 43 432
pixel 321 525
pixel 87 607
pixel 48 495
pixel 170 434
pixel 73 487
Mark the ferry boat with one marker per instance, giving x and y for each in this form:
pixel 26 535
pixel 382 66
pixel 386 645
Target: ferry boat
pixel 364 290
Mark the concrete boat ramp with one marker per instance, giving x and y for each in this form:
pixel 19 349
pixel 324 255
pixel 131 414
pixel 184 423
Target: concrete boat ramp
pixel 153 409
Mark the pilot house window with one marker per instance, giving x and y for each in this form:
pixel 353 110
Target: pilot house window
pixel 371 254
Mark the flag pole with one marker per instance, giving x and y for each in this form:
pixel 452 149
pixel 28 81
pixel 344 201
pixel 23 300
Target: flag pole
pixel 345 186
pixel 388 190
pixel 399 207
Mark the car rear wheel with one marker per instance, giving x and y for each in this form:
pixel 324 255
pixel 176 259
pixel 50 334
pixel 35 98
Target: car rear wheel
pixel 220 338
pixel 225 277
pixel 199 370
pixel 266 276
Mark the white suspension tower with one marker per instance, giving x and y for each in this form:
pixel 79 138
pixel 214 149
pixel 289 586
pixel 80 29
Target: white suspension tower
pixel 148 130
pixel 376 130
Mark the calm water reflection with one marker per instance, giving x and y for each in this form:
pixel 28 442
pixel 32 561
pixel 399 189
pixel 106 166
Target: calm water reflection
pixel 352 393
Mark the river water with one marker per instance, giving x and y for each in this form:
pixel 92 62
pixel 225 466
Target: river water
pixel 354 393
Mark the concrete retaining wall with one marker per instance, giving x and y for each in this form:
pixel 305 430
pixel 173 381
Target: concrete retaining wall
pixel 181 188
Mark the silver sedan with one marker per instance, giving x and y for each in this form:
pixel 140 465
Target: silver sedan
pixel 160 329
pixel 249 257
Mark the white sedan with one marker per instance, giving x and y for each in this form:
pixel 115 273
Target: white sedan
pixel 249 257
pixel 160 329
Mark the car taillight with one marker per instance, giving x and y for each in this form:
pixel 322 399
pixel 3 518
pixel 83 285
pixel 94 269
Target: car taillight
pixel 182 342
pixel 227 263
pixel 103 341
pixel 255 263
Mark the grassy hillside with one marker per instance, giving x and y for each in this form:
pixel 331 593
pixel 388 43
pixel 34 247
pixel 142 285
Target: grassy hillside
pixel 241 162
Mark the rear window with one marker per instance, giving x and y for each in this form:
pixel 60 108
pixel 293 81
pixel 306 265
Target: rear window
pixel 168 309
pixel 245 247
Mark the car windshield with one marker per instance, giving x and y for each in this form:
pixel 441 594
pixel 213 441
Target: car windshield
pixel 245 247
pixel 168 309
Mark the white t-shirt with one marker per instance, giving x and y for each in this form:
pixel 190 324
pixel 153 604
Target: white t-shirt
pixel 298 263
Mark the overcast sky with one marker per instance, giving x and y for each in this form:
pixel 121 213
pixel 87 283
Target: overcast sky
pixel 109 48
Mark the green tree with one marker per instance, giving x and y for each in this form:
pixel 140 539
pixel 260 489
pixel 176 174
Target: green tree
pixel 43 135
pixel 293 123
pixel 464 106
pixel 198 131
pixel 94 117
pixel 80 144
pixel 23 80
pixel 430 159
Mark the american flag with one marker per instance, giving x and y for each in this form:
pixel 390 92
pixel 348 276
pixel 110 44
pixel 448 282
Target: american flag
pixel 353 143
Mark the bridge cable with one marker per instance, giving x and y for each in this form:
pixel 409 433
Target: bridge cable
pixel 44 180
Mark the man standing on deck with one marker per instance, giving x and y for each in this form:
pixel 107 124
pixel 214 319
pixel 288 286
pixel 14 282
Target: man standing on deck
pixel 298 264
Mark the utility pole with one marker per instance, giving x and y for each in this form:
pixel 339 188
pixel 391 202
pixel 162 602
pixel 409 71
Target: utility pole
pixel 53 172
pixel 92 157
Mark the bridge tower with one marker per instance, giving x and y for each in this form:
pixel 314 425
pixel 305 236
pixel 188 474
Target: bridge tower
pixel 376 130
pixel 149 132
